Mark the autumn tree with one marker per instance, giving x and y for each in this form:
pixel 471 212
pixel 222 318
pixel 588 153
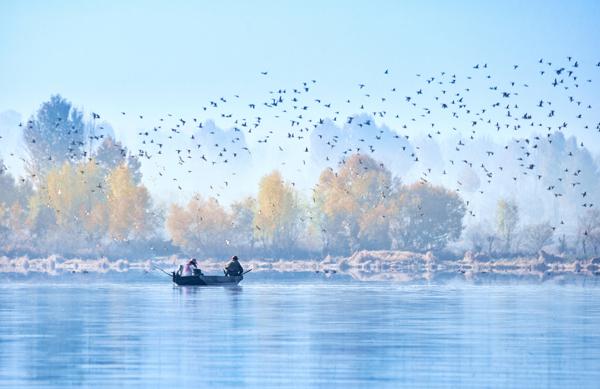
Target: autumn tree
pixel 202 227
pixel 374 227
pixel 11 225
pixel 129 207
pixel 41 218
pixel 353 204
pixel 277 216
pixel 12 191
pixel 5 231
pixel 60 210
pixel 72 190
pixel 76 200
pixel 426 217
pixel 242 223
pixel 13 208
pixel 333 211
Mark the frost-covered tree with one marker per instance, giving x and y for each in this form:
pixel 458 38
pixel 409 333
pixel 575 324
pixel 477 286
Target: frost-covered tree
pixel 589 232
pixel 55 134
pixel 507 218
pixel 536 236
pixel 426 217
pixel 111 154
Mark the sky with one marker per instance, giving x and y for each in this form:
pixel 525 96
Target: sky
pixel 151 58
pixel 155 56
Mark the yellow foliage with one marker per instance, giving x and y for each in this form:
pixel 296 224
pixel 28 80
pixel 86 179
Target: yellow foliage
pixel 353 203
pixel 177 225
pixel 202 227
pixel 96 223
pixel 16 216
pixel 127 204
pixel 72 190
pixel 277 211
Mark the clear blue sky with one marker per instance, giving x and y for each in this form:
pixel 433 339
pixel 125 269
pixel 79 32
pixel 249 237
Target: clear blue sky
pixel 174 55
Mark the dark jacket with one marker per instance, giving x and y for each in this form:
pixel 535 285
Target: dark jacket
pixel 233 268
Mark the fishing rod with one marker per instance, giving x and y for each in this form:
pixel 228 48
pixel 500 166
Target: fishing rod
pixel 162 270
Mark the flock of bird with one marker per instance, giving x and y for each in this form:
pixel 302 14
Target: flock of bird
pixel 296 122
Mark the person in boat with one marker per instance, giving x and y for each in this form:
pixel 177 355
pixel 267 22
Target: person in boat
pixel 233 267
pixel 188 268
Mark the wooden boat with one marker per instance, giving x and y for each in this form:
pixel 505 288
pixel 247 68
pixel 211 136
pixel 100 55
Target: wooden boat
pixel 203 280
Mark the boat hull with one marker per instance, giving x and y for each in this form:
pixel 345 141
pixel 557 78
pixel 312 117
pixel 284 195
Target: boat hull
pixel 202 280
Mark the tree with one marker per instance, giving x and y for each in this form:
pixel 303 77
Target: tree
pixel 10 190
pixel 97 221
pixel 60 210
pixel 72 191
pixel 111 154
pixel 333 209
pixel 589 231
pixel 426 217
pixel 12 225
pixel 277 213
pixel 563 247
pixel 353 205
pixel 129 206
pixel 177 223
pixel 200 228
pixel 507 218
pixel 374 225
pixel 482 238
pixel 54 135
pixel 537 236
pixel 4 229
pixel 242 223
pixel 41 218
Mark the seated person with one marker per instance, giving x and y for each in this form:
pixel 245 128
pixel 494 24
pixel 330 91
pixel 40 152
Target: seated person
pixel 233 267
pixel 187 269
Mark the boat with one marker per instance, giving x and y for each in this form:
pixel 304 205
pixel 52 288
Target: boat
pixel 199 279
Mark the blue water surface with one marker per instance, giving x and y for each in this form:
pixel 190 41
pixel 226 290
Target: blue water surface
pixel 309 334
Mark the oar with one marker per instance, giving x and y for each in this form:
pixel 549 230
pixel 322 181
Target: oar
pixel 247 271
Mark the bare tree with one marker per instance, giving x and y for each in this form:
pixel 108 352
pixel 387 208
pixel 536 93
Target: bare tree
pixel 589 231
pixel 536 236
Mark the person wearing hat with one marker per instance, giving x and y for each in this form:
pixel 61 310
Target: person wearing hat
pixel 233 267
pixel 187 269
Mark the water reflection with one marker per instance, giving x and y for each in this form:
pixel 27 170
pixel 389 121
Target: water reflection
pixel 306 334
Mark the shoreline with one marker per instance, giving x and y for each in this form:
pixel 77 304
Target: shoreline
pixel 400 266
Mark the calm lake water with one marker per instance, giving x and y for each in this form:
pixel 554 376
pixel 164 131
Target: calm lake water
pixel 313 333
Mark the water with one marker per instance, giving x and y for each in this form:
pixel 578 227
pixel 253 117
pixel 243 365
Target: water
pixel 316 333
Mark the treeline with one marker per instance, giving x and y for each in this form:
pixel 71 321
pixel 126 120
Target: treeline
pixel 83 196
pixel 86 199
pixel 508 236
pixel 357 207
pixel 74 201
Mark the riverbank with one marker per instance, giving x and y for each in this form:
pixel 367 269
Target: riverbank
pixel 401 266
